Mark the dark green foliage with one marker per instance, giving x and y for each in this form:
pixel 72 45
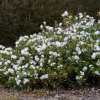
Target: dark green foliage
pixel 24 17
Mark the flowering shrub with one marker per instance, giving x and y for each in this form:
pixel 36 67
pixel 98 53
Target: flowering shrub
pixel 49 58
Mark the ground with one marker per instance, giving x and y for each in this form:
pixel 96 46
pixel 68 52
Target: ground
pixel 77 93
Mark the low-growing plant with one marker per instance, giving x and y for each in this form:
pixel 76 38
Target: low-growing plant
pixel 46 59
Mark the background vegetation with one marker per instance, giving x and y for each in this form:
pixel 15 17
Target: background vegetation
pixel 24 17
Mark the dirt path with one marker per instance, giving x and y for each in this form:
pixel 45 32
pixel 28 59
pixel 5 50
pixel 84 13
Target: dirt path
pixel 85 93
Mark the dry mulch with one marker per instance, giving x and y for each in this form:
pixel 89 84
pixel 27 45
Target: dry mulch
pixel 77 93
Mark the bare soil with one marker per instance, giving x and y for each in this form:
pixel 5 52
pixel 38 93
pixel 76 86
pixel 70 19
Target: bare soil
pixel 77 93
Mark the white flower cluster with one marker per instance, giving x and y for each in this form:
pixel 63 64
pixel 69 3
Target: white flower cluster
pixel 44 76
pixel 65 14
pixel 76 58
pixel 81 75
pixel 25 51
pixel 53 49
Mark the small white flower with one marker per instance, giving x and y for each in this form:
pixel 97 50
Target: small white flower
pixel 94 55
pixel 84 69
pixel 55 54
pixel 24 73
pixel 26 65
pixel 33 62
pixel 60 24
pixel 25 80
pixel 18 76
pixel 81 42
pixel 82 73
pixel 36 58
pixel 25 51
pixel 7 53
pixel 76 17
pixel 42 56
pixel 58 44
pixel 18 82
pixel 2 47
pixel 65 14
pixel 44 22
pixel 5 63
pixel 6 72
pixel 59 66
pixel 41 64
pixel 11 70
pixel 79 52
pixel 26 37
pixel 17 42
pixel 43 47
pixel 8 61
pixel 98 63
pixel 13 56
pixel 21 58
pixel 49 28
pixel 76 57
pixel 32 66
pixel 37 66
pixel 41 26
pixel 19 61
pixel 96 72
pixel 80 15
pixel 53 64
pixel 0 63
pixel 99 21
pixel 90 66
pixel 78 77
pixel 44 76
pixel 49 61
pixel 87 16
pixel 77 49
pixel 97 32
pixel 9 48
pixel 50 52
pixel 73 37
pixel 36 74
